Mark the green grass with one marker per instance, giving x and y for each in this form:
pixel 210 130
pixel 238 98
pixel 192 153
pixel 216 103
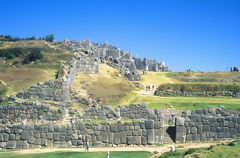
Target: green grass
pixel 187 103
pixel 203 76
pixel 140 154
pixel 218 151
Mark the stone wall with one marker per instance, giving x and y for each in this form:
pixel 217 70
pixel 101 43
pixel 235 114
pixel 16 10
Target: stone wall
pixel 59 90
pixel 208 125
pixel 99 134
pixel 29 112
pixel 206 94
pixel 133 112
pixel 124 59
pixel 100 113
pixel 140 111
pixel 50 90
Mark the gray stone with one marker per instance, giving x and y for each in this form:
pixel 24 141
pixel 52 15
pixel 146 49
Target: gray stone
pixel 150 136
pixel 137 140
pixel 116 139
pixel 130 140
pixel 56 137
pixel 149 124
pixel 44 142
pixel 123 139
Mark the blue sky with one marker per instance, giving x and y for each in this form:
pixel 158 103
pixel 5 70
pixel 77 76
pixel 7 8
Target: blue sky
pixel 185 34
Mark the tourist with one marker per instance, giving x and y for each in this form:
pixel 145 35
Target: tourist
pixel 152 87
pixel 87 146
pixel 172 148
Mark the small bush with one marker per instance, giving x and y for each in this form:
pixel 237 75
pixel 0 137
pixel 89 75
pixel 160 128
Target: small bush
pixel 211 147
pixel 190 151
pixel 172 154
pixel 231 144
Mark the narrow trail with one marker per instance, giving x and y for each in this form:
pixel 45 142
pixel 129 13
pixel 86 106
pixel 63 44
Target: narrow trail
pixel 160 150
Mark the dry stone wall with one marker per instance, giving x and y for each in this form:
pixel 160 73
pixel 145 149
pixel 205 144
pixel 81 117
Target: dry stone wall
pixel 207 125
pixel 29 112
pixel 14 133
pixel 132 112
pixel 103 134
pixel 50 90
pixel 59 90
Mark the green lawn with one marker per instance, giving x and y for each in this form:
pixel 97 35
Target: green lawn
pixel 186 103
pixel 140 154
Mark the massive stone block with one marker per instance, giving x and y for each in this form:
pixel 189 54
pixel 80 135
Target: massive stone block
pixel 149 124
pixel 150 136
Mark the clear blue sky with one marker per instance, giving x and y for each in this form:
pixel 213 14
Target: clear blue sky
pixel 185 34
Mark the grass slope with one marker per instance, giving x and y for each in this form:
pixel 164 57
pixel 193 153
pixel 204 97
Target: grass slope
pixel 184 103
pixel 105 85
pixel 141 154
pixel 23 76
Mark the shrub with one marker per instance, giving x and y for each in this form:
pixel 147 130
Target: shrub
pixel 231 144
pixel 211 147
pixel 11 53
pixel 49 38
pixel 33 56
pixel 190 151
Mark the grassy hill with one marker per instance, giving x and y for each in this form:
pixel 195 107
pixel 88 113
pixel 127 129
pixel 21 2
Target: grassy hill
pixel 172 79
pixel 20 76
pixel 105 86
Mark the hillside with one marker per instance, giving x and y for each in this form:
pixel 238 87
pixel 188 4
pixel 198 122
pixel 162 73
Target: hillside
pixel 71 92
pixel 20 76
pixel 107 87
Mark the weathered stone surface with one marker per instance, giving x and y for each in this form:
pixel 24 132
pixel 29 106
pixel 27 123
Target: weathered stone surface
pixel 149 124
pixel 150 136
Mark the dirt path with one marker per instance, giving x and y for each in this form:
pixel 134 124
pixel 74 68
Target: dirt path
pixel 160 150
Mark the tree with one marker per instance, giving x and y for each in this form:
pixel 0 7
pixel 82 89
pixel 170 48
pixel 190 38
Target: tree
pixel 49 38
pixel 33 56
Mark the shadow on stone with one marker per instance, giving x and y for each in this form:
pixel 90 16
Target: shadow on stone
pixel 171 131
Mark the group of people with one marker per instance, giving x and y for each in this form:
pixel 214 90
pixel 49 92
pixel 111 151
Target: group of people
pixel 149 87
pixel 234 69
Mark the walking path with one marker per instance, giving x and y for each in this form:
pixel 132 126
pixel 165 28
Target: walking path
pixel 160 150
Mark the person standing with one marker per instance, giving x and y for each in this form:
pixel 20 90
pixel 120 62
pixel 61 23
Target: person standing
pixel 87 146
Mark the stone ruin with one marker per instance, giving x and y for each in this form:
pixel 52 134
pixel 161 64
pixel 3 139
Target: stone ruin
pixel 33 125
pixel 118 58
pixel 51 122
